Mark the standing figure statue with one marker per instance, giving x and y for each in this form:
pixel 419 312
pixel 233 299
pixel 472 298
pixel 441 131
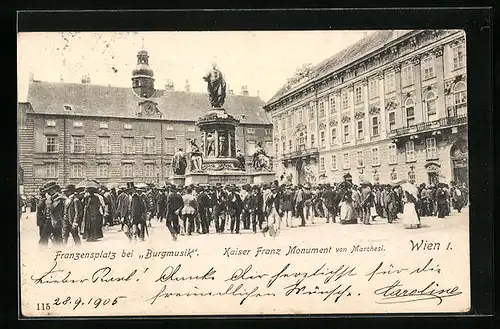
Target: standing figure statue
pixel 261 160
pixel 216 87
pixel 195 155
pixel 309 175
pixel 179 163
pixel 241 159
pixel 210 145
pixel 222 146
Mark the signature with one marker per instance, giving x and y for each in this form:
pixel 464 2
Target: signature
pixel 396 293
pixel 299 289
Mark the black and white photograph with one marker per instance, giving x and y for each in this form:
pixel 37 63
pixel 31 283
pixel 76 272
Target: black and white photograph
pixel 171 173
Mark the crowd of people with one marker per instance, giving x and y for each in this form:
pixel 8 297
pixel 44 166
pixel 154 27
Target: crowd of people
pixel 197 209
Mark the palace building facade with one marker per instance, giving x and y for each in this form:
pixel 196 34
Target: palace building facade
pixel 391 106
pixel 71 131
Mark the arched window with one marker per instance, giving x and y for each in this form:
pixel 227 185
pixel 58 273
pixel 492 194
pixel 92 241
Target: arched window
pixel 430 105
pixel 460 95
pixel 410 111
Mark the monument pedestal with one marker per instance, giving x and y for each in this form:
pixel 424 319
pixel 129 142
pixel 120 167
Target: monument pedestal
pixel 196 178
pixel 262 177
pixel 177 180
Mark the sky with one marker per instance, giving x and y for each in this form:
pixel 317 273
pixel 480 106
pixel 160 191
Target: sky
pixel 261 60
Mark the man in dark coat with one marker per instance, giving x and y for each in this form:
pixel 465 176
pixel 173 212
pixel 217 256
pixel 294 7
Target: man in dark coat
pixel 92 215
pixel 73 215
pixel 287 196
pixel 54 211
pixel 122 208
pixel 234 208
pixel 138 208
pixel 329 201
pixel 274 212
pixel 203 201
pixel 220 210
pixel 174 207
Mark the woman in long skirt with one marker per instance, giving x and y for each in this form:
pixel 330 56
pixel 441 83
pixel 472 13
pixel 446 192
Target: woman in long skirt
pixel 411 219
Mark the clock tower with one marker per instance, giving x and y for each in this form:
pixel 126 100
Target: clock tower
pixel 142 76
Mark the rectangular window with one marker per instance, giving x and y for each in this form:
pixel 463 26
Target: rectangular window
pixel 103 145
pixel 103 125
pixel 358 94
pixel 77 144
pixel 250 147
pixel 393 153
pixel 390 82
pixel 345 99
pixel 50 123
pixel 410 151
pixel 334 136
pixel 51 143
pixel 334 162
pixel 333 105
pixel 322 163
pixel 373 88
pixel 149 146
pixel 169 146
pixel 311 112
pixel 346 134
pixel 410 116
pixel 375 156
pixel 312 140
pixel 290 146
pixel 268 132
pixel 428 68
pixel 347 163
pixel 407 75
pixel 375 125
pixel 128 170
pixel 77 170
pixel 322 109
pixel 170 127
pixel 77 124
pixel 392 121
pixel 250 130
pixel 359 130
pixel 50 170
pixel 458 56
pixel 430 148
pixel 127 126
pixel 102 170
pixel 128 145
pixel 322 138
pixel 149 170
pixel 361 160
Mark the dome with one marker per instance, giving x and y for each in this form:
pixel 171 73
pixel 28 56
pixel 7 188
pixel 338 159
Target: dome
pixel 142 70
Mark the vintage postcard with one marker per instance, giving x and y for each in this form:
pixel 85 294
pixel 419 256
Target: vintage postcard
pixel 243 173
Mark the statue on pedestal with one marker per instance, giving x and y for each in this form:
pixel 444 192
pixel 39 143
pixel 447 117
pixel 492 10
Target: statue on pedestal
pixel 216 87
pixel 179 163
pixel 222 146
pixel 261 161
pixel 210 145
pixel 241 159
pixel 195 155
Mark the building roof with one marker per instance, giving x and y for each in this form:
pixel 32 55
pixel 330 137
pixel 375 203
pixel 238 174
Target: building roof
pixel 373 42
pixel 120 102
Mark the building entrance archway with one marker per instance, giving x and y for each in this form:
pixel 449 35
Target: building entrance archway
pixel 459 154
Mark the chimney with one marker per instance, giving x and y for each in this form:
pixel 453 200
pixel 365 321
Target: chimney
pixel 85 78
pixel 187 87
pixel 169 85
pixel 244 90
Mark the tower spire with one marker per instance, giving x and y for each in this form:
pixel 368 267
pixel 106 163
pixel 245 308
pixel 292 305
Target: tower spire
pixel 142 43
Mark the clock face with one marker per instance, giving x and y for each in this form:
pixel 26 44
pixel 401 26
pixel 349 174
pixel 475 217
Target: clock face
pixel 149 108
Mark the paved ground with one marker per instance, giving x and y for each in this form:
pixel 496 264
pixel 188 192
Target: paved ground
pixel 456 225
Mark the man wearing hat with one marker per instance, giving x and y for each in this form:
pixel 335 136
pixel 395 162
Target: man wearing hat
pixel 73 215
pixel 367 202
pixel 299 201
pixel 174 206
pixel 123 203
pixel 54 211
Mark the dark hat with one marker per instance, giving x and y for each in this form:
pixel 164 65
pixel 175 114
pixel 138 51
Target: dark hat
pixel 69 188
pixel 49 186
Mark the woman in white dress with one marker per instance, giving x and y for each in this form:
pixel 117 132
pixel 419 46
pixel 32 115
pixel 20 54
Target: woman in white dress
pixel 411 219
